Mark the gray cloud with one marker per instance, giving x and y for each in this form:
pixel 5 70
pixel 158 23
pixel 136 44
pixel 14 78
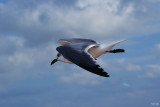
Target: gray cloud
pixel 39 21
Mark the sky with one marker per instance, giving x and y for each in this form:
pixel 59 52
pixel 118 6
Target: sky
pixel 30 29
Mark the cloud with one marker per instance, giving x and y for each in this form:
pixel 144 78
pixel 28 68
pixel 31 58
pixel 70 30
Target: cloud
pixel 81 77
pixel 151 71
pixel 40 22
pixel 32 28
pixel 133 67
pixel 155 1
pixel 158 46
pixel 29 31
pixel 135 93
pixel 126 84
pixel 154 66
pixel 46 20
pixel 18 60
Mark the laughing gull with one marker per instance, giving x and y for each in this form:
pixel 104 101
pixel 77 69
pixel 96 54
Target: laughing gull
pixel 83 53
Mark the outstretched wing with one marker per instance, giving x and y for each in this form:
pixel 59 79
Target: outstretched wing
pixel 76 40
pixel 77 55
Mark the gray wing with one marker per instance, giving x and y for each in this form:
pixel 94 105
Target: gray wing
pixel 77 55
pixel 78 40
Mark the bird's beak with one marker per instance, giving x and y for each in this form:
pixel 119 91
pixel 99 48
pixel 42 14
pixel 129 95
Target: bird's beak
pixel 55 60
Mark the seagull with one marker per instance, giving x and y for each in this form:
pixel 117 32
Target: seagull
pixel 84 53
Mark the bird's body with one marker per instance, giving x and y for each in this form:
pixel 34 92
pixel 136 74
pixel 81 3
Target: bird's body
pixel 83 53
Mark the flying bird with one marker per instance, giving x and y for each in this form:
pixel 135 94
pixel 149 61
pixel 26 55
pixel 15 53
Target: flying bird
pixel 83 53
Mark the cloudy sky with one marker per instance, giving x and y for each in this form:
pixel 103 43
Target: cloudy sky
pixel 29 30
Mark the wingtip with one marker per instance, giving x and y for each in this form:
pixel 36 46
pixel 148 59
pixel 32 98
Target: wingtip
pixel 107 75
pixel 116 51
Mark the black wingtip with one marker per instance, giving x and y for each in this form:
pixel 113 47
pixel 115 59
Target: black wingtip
pixel 107 76
pixel 116 51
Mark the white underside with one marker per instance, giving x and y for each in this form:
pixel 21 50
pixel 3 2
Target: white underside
pixel 62 59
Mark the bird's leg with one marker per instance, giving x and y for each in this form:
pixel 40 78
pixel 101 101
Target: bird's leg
pixel 116 51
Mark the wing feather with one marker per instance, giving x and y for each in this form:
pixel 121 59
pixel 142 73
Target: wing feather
pixel 76 40
pixel 77 55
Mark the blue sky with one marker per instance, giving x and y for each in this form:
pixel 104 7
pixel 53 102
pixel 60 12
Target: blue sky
pixel 29 31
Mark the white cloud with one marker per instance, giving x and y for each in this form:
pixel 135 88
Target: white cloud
pixel 98 17
pixel 136 93
pixel 82 78
pixel 150 75
pixel 154 1
pixel 108 5
pixel 126 84
pixel 21 58
pixel 133 67
pixel 86 18
pixel 158 46
pixel 103 17
pixel 17 40
pixel 155 67
pixel 151 71
pixel 18 60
